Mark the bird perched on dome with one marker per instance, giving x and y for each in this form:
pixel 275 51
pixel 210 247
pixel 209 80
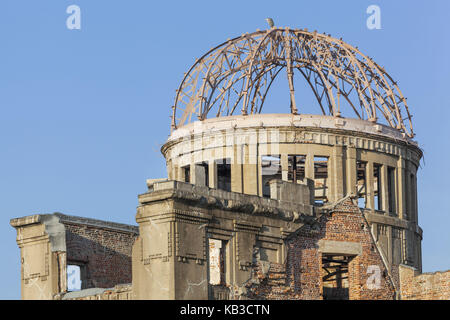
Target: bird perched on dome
pixel 270 22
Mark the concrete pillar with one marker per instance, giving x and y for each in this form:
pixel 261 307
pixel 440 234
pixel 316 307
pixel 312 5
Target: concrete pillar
pixel 415 200
pixel 351 182
pixel 250 169
pixel 384 189
pixel 243 245
pixel 408 194
pixel 42 243
pixel 336 171
pixel 193 173
pixel 284 167
pixel 389 244
pixel 309 166
pixel 401 188
pixel 169 259
pixel 370 186
pixel 212 171
pixel 198 175
pixel 237 182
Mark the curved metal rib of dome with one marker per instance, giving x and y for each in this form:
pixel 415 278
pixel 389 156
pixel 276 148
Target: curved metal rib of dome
pixel 238 74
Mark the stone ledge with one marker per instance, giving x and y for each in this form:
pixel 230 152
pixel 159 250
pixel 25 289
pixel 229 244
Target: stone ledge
pixel 230 201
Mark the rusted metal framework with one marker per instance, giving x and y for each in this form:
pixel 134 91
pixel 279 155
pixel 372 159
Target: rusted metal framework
pixel 237 75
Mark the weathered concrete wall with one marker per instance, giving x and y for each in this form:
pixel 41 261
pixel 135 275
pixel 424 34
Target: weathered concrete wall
pixel 425 286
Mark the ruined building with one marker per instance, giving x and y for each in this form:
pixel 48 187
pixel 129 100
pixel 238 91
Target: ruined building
pixel 260 206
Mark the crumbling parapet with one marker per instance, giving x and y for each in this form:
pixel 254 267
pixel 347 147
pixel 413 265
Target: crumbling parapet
pixel 425 286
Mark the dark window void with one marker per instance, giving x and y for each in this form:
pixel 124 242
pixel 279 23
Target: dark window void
pixel 296 167
pixel 217 249
pixel 377 187
pixel 391 190
pixel 186 174
pixel 224 174
pixel 361 183
pixel 203 173
pixel 320 179
pixel 335 283
pixel 271 169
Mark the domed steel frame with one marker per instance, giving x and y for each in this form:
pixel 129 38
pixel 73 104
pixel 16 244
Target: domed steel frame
pixel 241 71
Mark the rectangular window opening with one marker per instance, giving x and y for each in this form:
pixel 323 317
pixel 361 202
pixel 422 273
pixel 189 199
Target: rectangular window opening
pixel 296 168
pixel 361 183
pixel 224 174
pixel 377 187
pixel 271 169
pixel 391 190
pixel 217 262
pixel 186 173
pixel 320 179
pixel 335 276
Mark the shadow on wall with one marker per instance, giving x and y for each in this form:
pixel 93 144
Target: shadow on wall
pixel 101 264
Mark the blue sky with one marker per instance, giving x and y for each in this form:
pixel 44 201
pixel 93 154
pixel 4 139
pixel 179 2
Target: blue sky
pixel 85 112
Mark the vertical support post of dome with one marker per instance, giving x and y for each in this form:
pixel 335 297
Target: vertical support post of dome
pixel 290 72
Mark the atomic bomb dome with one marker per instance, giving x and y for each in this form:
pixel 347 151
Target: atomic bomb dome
pixel 358 146
pixel 260 205
pixel 235 78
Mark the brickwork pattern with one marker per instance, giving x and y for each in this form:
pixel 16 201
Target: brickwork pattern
pixel 425 286
pixel 300 277
pixel 105 254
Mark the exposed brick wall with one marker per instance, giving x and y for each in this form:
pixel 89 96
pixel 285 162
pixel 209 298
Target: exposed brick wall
pixel 301 276
pixel 105 254
pixel 425 286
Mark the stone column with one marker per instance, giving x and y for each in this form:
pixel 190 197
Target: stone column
pixel 384 189
pixel 284 167
pixel 169 259
pixel 237 182
pixel 309 166
pixel 250 169
pixel 337 172
pixel 351 172
pixel 402 189
pixel 212 171
pixel 309 170
pixel 42 243
pixel 244 242
pixel 370 186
